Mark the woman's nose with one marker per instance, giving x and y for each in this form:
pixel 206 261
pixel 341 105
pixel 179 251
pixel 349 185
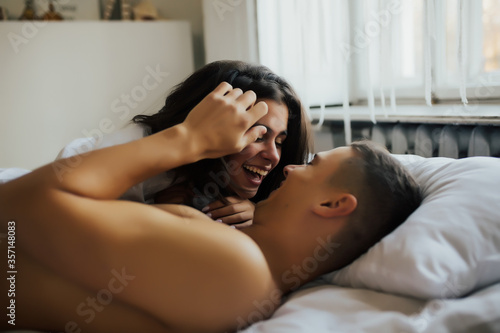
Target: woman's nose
pixel 271 153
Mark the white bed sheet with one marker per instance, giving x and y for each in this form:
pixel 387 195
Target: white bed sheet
pixel 329 308
pixel 7 174
pixel 325 308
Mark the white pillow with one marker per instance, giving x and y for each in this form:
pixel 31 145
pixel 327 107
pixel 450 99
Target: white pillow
pixel 450 246
pixel 9 174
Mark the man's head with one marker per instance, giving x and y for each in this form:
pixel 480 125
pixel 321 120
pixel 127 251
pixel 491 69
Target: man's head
pixel 386 195
pixel 352 195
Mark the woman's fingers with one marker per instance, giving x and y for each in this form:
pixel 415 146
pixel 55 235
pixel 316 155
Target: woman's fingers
pixel 248 99
pixel 234 94
pixel 258 111
pixel 233 211
pixel 243 225
pixel 223 88
pixel 234 219
pixel 221 124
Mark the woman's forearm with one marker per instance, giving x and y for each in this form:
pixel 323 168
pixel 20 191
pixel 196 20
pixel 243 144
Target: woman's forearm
pixel 107 173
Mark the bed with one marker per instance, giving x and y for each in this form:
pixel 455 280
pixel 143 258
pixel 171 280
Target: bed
pixel 438 272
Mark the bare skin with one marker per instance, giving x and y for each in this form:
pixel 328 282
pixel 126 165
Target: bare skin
pixel 165 294
pixel 165 268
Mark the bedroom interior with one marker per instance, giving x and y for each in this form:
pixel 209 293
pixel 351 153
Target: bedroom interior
pixel 420 77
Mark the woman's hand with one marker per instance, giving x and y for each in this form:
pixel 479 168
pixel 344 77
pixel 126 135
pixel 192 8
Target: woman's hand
pixel 239 212
pixel 221 124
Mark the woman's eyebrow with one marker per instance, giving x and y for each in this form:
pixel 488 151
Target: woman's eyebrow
pixel 284 132
pixel 270 130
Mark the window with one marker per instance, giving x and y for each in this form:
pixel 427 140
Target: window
pixel 477 65
pixel 383 53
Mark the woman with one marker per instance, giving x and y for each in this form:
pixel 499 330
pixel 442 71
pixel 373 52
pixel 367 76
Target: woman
pixel 222 187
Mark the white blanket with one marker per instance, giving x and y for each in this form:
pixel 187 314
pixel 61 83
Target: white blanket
pixel 328 308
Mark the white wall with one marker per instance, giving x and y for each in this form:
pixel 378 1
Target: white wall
pixel 60 81
pixel 230 30
pixel 186 10
pixel 191 11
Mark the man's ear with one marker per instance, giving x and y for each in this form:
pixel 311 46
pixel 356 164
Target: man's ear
pixel 340 205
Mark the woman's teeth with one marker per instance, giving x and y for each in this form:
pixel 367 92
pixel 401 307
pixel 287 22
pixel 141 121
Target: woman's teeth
pixel 256 170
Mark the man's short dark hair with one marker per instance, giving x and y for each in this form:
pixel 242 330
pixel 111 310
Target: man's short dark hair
pixel 386 194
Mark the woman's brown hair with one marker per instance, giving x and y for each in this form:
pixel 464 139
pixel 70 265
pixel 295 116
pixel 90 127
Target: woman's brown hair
pixel 266 85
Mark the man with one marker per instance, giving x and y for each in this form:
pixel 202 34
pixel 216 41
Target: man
pixel 86 262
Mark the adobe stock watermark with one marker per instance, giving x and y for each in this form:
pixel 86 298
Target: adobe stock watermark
pixel 294 277
pixel 219 180
pixel 88 309
pixel 223 6
pixel 371 29
pixel 121 107
pixel 30 29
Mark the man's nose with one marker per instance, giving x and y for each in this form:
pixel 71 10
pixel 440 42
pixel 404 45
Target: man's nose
pixel 289 168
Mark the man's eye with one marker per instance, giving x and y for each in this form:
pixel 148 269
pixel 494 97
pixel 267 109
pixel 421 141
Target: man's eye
pixel 311 160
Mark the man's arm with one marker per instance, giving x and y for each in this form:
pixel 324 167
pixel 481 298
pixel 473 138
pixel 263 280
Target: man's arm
pixel 62 225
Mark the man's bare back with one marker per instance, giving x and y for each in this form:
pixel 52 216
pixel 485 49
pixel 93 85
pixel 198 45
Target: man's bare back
pixel 47 301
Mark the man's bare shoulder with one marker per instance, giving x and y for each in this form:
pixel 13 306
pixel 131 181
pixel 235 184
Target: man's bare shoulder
pixel 185 263
pixel 199 228
pixel 182 211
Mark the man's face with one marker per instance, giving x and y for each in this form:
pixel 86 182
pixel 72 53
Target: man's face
pixel 305 182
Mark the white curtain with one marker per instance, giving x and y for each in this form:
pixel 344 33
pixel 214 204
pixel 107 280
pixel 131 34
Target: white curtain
pixel 371 52
pixel 299 40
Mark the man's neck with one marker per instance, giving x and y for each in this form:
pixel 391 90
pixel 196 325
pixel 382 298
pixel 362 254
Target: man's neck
pixel 284 258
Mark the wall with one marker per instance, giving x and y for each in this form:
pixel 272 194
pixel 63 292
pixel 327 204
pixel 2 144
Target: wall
pixel 189 10
pixel 65 80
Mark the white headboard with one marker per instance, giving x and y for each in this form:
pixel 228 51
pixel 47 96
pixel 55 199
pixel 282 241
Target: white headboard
pixel 64 80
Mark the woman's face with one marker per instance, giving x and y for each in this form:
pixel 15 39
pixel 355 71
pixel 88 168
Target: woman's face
pixel 248 168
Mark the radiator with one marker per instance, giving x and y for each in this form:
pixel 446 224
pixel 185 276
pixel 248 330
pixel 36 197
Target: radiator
pixel 427 140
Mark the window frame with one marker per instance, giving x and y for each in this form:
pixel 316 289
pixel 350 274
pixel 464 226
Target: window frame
pixel 483 88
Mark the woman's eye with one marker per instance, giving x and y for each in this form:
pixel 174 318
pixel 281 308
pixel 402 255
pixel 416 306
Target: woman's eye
pixel 279 142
